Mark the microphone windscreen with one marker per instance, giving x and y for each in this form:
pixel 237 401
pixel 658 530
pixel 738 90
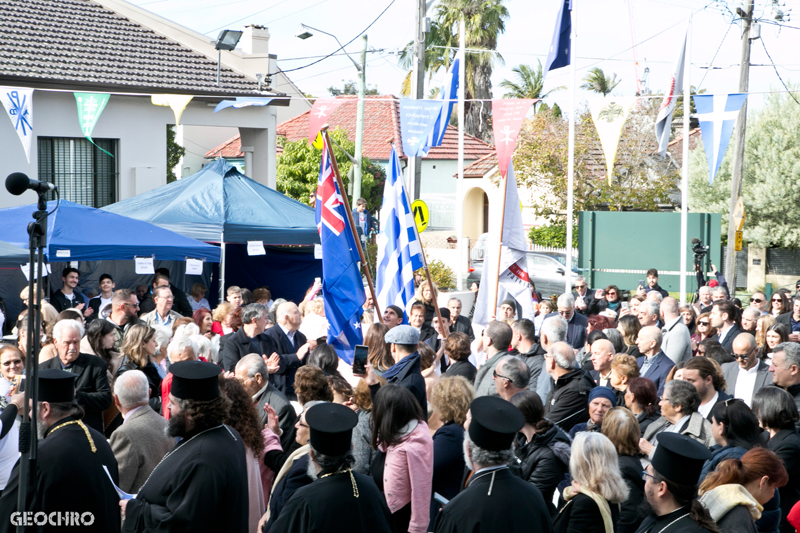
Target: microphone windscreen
pixel 17 183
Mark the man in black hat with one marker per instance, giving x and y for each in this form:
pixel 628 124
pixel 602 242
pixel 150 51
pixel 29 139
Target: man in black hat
pixel 69 484
pixel 201 485
pixel 339 500
pixel 671 487
pixel 494 499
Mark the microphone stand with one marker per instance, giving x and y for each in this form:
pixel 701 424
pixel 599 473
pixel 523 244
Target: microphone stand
pixel 28 437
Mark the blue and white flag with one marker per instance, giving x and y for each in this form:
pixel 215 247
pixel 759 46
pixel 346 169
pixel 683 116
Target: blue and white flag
pixel 18 102
pixel 449 94
pixel 560 51
pixel 245 101
pixel 342 286
pixel 417 119
pixel 399 251
pixel 717 116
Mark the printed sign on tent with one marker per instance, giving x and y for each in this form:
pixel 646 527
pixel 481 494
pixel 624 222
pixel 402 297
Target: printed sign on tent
pixel 417 119
pixel 194 267
pixel 90 105
pixel 177 102
pixel 320 113
pixel 19 107
pixel 609 115
pixel 144 265
pixel 256 248
pixel 507 117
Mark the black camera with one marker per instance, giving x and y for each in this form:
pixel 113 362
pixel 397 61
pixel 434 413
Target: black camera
pixel 699 252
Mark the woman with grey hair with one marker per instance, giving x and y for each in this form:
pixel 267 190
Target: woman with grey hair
pixel 679 403
pixel 616 339
pixel 597 487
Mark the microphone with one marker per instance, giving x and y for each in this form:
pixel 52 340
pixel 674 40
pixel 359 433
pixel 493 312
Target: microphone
pixel 695 240
pixel 17 183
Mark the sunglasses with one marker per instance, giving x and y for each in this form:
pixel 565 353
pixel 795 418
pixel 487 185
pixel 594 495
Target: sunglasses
pixel 496 375
pixel 702 323
pixel 776 300
pixel 743 356
pixel 756 300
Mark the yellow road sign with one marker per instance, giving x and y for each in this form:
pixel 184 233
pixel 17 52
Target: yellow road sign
pixel 421 214
pixel 738 215
pixel 318 141
pixel 738 241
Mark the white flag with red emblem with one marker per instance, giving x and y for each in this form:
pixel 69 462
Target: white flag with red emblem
pixel 671 93
pixel 513 282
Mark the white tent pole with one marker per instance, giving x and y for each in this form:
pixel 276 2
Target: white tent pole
pixel 460 181
pixel 222 267
pixel 687 106
pixel 571 154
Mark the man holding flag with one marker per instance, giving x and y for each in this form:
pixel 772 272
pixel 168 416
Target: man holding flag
pixel 342 286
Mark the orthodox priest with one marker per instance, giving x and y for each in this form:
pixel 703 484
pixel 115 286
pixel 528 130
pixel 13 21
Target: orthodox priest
pixel 70 487
pixel 338 500
pixel 494 499
pixel 201 485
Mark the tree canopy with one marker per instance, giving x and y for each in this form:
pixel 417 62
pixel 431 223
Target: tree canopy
pixel 770 179
pixel 350 87
pixel 529 84
pixel 597 82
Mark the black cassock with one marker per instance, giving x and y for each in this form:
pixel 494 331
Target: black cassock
pixel 69 479
pixel 200 486
pixel 678 521
pixel 328 505
pixel 496 500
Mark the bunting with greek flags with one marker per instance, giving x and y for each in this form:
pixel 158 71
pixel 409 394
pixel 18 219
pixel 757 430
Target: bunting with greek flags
pixel 717 115
pixel 399 251
pixel 448 93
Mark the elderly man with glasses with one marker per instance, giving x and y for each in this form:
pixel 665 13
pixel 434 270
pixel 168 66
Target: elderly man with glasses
pixel 577 323
pixel 748 374
pixel 162 315
pixel 583 298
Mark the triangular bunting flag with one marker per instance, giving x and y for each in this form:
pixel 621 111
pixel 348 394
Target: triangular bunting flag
pixel 717 116
pixel 417 119
pixel 177 102
pixel 320 114
pixel 609 115
pixel 507 117
pixel 19 107
pixel 90 105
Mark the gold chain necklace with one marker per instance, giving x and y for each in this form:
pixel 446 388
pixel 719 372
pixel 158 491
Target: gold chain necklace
pixel 82 425
pixel 352 479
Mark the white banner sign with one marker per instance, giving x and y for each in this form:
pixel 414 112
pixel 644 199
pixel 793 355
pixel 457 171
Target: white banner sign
pixel 144 265
pixel 194 267
pixel 256 248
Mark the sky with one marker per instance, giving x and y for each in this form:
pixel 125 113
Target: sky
pixel 620 36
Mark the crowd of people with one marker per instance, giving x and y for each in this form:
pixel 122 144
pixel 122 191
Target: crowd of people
pixel 607 412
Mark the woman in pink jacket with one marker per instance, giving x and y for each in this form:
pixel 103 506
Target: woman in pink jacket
pixel 403 466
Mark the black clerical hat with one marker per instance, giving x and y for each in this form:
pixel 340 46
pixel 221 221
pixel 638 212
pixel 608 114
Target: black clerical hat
pixel 195 380
pixel 56 386
pixel 330 427
pixel 494 423
pixel 679 458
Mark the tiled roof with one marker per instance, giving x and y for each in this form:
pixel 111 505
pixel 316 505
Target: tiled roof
pixel 381 126
pixel 232 149
pixel 77 44
pixel 675 147
pixel 481 167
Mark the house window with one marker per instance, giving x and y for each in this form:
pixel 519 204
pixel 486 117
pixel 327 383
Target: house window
pixel 83 173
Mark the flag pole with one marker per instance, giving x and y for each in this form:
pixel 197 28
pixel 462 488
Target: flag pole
pixel 335 167
pixel 427 270
pixel 460 180
pixel 504 184
pixel 687 106
pixel 571 153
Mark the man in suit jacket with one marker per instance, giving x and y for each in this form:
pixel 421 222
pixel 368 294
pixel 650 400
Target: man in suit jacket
pixel 140 442
pixel 792 320
pixel 748 374
pixel 723 316
pixel 253 374
pixel 576 322
pixel 654 364
pixel 458 322
pixel 582 291
pixel 93 392
pixel 249 338
pixel 292 346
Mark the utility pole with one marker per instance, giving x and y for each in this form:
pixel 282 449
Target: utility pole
pixel 738 153
pixel 362 94
pixel 414 177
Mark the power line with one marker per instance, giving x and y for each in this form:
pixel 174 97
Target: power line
pixel 247 16
pixel 778 73
pixel 715 56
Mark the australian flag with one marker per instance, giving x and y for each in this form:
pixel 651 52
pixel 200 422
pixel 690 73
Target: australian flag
pixel 342 287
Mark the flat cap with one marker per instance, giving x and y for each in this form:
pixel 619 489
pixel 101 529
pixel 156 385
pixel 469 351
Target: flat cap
pixel 402 334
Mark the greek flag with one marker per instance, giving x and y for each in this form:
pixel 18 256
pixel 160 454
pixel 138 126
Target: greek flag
pixel 399 251
pixel 448 93
pixel 717 115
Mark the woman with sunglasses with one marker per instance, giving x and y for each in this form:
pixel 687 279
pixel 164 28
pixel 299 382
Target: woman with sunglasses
pixel 778 304
pixel 703 331
pixel 605 299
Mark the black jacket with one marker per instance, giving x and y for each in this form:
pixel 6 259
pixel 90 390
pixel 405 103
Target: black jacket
pixel 588 299
pixel 568 401
pixel 543 461
pixel 794 390
pixel 180 303
pixel 581 513
pixel 61 302
pixel 462 368
pixel 238 344
pixel 408 373
pixel 92 389
pixel 464 325
pixel 645 420
pixel 727 342
pixel 631 514
pixel 448 465
pixel 284 377
pixel 153 380
pixel 786 445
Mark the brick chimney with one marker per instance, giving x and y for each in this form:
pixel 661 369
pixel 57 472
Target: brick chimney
pixel 255 40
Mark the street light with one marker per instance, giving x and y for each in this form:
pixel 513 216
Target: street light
pixel 304 32
pixel 227 40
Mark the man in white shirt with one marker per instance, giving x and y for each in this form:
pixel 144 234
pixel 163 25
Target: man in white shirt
pixel 702 373
pixel 676 341
pixel 748 374
pixel 162 315
pixel 602 355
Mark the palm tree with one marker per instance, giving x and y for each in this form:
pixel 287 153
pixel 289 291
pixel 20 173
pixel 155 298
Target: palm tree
pixel 484 21
pixel 531 84
pixel 597 81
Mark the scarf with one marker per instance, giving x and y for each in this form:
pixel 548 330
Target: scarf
pixel 720 500
pixel 601 502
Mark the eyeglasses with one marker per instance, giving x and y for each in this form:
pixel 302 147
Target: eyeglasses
pixel 756 300
pixel 702 323
pixel 496 375
pixel 645 475
pixel 580 286
pixel 776 300
pixel 663 399
pixel 135 306
pixel 744 356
